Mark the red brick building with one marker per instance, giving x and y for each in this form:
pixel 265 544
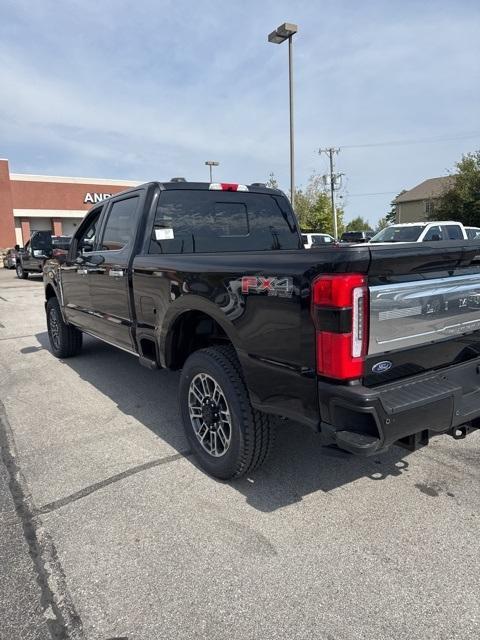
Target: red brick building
pixel 39 203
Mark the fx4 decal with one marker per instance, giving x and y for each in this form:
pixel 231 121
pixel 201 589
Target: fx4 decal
pixel 273 286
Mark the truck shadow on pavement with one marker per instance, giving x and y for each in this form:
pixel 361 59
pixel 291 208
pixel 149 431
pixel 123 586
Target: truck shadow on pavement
pixel 298 466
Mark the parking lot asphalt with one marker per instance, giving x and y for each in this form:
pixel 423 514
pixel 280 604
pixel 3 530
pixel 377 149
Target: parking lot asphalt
pixel 129 539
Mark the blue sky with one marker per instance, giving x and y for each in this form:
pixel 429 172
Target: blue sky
pixel 150 90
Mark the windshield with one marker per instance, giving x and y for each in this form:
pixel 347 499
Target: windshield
pixel 399 234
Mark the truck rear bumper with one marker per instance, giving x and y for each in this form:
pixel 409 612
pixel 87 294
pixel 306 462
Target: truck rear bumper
pixel 366 420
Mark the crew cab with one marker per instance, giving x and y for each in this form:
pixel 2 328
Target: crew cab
pixel 369 345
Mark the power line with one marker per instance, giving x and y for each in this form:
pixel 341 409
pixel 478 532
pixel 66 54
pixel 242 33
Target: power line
pixel 375 193
pixel 393 143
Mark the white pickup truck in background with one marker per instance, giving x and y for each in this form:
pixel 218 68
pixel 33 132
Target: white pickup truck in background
pixel 426 232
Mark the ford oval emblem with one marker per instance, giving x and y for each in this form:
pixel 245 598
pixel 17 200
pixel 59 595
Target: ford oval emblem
pixel 381 367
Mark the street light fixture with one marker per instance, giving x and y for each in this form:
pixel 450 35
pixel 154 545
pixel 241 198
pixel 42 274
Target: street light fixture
pixel 285 32
pixel 210 164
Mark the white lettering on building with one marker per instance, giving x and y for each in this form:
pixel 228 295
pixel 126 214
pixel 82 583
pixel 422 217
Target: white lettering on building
pixel 93 198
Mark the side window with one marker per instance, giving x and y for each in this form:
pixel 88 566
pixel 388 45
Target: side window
pixel 454 232
pixel 434 233
pixel 121 224
pixel 88 234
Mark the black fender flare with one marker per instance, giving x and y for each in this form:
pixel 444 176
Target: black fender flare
pixel 182 306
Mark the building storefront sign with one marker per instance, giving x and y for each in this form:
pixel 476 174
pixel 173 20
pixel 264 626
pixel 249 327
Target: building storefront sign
pixel 93 198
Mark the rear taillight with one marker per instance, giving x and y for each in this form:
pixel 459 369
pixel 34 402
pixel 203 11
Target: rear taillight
pixel 340 315
pixel 227 186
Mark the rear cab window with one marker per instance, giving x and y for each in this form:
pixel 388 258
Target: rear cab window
pixel 200 221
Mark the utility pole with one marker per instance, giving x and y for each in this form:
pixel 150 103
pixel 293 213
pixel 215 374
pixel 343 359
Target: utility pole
pixel 330 152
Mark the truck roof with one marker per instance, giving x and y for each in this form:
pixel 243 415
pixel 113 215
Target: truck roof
pixel 423 223
pixel 255 187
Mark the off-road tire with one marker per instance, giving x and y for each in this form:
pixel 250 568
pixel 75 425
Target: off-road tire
pixel 21 273
pixel 65 340
pixel 252 432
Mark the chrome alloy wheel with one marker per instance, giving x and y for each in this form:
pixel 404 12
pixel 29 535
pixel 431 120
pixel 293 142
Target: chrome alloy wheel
pixel 210 415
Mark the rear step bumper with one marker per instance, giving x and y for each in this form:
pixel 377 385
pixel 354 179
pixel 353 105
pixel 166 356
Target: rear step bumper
pixel 366 420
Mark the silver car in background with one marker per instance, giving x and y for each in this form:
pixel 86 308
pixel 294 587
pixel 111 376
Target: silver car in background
pixel 10 259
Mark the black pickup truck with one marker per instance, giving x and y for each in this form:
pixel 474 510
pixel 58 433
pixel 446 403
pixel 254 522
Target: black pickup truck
pixel 368 345
pixel 31 258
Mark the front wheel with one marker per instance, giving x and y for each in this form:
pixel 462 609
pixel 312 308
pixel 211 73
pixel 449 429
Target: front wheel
pixel 21 273
pixel 65 340
pixel 228 436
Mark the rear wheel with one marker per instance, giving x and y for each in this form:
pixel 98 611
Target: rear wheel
pixel 65 340
pixel 228 436
pixel 21 273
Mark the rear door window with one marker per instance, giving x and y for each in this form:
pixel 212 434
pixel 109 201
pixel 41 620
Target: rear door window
pixel 454 232
pixel 434 233
pixel 191 221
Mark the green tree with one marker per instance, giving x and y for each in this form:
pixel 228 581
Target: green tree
pixel 391 216
pixel 272 182
pixel 462 201
pixel 358 224
pixel 314 210
pixel 382 223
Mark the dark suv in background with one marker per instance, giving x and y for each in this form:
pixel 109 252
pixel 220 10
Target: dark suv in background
pixel 357 236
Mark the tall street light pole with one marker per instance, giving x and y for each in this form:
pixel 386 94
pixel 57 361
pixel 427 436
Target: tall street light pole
pixel 210 164
pixel 284 32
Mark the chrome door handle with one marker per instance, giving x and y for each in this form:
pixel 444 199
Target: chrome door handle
pixel 116 273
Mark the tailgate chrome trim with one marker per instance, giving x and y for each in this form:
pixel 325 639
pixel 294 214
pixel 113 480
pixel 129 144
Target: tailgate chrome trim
pixel 408 314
